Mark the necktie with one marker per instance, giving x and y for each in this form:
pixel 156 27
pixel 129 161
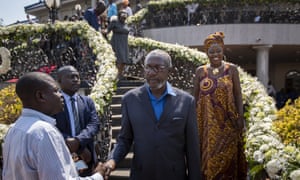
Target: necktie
pixel 75 115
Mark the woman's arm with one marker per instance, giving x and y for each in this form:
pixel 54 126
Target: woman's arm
pixel 197 83
pixel 237 93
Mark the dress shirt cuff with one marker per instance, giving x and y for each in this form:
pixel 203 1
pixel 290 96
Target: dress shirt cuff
pixel 97 176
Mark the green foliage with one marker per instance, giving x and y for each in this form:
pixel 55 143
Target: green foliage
pixel 257 171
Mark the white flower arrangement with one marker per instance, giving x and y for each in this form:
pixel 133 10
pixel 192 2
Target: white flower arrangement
pixel 295 175
pixel 263 145
pixel 5 56
pixel 105 59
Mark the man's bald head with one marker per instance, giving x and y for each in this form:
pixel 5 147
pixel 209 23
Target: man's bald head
pixel 28 84
pixel 39 91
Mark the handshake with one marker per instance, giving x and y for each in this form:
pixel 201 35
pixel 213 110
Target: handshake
pixel 105 168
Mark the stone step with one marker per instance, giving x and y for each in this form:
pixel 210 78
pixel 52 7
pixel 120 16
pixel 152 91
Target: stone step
pixel 116 120
pixel 120 174
pixel 126 162
pixel 123 89
pixel 115 131
pixel 131 82
pixel 117 99
pixel 115 108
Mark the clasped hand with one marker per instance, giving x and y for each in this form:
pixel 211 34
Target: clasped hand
pixel 106 168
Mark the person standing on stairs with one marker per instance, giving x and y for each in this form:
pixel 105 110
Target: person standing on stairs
pixel 160 122
pixel 78 122
pixel 119 40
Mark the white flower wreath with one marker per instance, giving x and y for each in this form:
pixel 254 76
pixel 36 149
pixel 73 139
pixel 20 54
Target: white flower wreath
pixel 5 56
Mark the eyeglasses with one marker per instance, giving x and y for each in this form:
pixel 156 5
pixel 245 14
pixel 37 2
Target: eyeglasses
pixel 156 69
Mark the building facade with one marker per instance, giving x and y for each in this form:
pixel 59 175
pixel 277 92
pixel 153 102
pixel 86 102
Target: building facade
pixel 263 39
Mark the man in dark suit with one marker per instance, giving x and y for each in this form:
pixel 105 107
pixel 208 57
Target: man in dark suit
pixel 160 121
pixel 79 122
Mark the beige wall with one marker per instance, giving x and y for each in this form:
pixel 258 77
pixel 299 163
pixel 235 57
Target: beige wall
pixel 241 34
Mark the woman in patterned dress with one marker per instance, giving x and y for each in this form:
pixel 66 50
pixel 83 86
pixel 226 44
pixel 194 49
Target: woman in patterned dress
pixel 220 115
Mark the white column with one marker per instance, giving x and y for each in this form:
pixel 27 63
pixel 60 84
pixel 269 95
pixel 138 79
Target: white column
pixel 262 63
pixel 93 3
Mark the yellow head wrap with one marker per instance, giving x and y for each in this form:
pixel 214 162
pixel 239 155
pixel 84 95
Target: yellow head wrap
pixel 216 37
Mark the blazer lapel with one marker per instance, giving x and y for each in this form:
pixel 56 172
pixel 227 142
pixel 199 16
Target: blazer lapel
pixel 66 117
pixel 145 101
pixel 171 101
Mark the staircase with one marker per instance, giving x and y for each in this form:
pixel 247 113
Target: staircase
pixel 123 168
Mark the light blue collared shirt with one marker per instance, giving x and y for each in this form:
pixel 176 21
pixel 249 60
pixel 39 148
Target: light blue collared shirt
pixel 158 104
pixel 34 149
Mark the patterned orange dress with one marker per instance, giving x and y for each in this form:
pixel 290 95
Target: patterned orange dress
pixel 221 145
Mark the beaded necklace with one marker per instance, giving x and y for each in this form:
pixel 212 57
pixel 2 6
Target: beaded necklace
pixel 216 70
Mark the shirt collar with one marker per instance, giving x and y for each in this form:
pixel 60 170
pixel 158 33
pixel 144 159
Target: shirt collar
pixel 41 116
pixel 67 97
pixel 169 89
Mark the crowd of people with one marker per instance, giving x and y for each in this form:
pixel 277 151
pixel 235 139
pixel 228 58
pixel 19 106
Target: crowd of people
pixel 175 135
pixel 197 14
pixel 99 16
pixel 108 18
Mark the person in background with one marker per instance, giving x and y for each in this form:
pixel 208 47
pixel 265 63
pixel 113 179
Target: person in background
pixel 78 122
pixel 33 147
pixel 160 122
pixel 127 8
pixel 112 10
pixel 119 40
pixel 92 15
pixel 191 9
pixel 271 90
pixel 221 122
pixel 139 6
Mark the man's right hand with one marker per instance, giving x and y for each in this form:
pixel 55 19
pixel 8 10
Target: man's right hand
pixel 110 166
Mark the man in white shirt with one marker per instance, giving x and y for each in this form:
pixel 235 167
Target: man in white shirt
pixel 33 147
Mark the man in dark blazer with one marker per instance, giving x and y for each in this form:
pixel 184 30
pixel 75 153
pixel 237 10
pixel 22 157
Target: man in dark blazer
pixel 160 122
pixel 78 130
